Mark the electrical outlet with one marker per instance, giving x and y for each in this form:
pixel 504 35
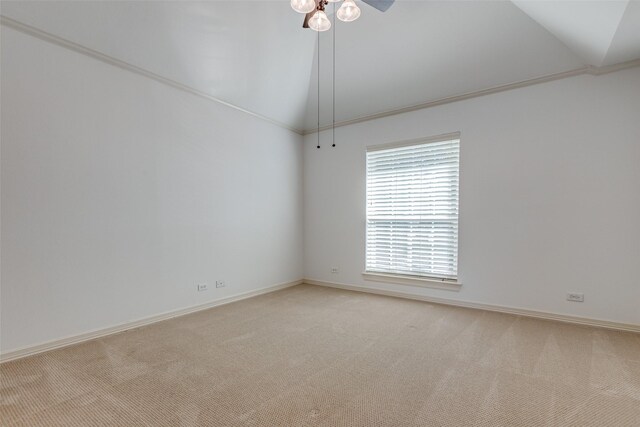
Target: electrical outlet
pixel 202 287
pixel 334 270
pixel 575 296
pixel 220 284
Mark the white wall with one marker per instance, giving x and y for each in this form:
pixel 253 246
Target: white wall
pixel 120 194
pixel 550 196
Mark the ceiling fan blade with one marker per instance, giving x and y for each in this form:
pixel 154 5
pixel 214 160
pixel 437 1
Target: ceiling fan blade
pixel 381 5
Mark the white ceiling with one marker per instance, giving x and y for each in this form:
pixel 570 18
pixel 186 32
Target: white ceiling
pixel 255 55
pixel 589 27
pixel 422 51
pixel 247 53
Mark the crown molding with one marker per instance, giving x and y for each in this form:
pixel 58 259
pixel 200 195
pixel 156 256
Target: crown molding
pixel 75 47
pixel 48 37
pixel 586 70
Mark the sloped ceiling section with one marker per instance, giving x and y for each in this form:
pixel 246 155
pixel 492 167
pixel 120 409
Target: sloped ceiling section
pixel 255 55
pixel 421 51
pixel 600 32
pixel 625 45
pixel 247 53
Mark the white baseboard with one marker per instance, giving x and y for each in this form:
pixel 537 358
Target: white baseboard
pixel 64 342
pixel 630 327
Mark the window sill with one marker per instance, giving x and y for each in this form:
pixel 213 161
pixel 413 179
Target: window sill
pixel 423 282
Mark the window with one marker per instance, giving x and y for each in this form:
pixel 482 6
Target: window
pixel 412 208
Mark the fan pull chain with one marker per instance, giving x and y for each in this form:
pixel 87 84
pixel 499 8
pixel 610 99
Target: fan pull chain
pixel 333 126
pixel 318 132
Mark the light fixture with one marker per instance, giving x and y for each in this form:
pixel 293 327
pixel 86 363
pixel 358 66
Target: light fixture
pixel 303 6
pixel 316 19
pixel 349 11
pixel 319 21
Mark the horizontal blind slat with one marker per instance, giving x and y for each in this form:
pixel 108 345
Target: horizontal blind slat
pixel 412 209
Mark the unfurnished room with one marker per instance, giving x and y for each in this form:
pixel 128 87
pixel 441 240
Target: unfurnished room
pixel 320 213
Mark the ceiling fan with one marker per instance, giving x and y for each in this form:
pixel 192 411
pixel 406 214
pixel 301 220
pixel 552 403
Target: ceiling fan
pixel 316 18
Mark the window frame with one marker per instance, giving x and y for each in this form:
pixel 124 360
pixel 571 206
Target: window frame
pixel 447 283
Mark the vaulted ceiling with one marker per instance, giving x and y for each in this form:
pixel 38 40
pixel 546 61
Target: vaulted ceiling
pixel 256 56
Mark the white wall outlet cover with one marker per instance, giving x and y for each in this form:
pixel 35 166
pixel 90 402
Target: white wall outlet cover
pixel 334 270
pixel 202 287
pixel 220 284
pixel 575 296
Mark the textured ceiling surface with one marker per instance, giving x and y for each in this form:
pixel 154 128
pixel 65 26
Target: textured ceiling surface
pixel 255 55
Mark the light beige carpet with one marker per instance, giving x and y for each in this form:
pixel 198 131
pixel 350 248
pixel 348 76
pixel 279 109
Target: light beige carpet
pixel 318 356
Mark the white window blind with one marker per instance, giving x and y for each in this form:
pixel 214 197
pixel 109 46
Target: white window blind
pixel 412 208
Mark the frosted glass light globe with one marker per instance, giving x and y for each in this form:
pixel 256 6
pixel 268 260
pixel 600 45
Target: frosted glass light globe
pixel 319 21
pixel 349 11
pixel 303 6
